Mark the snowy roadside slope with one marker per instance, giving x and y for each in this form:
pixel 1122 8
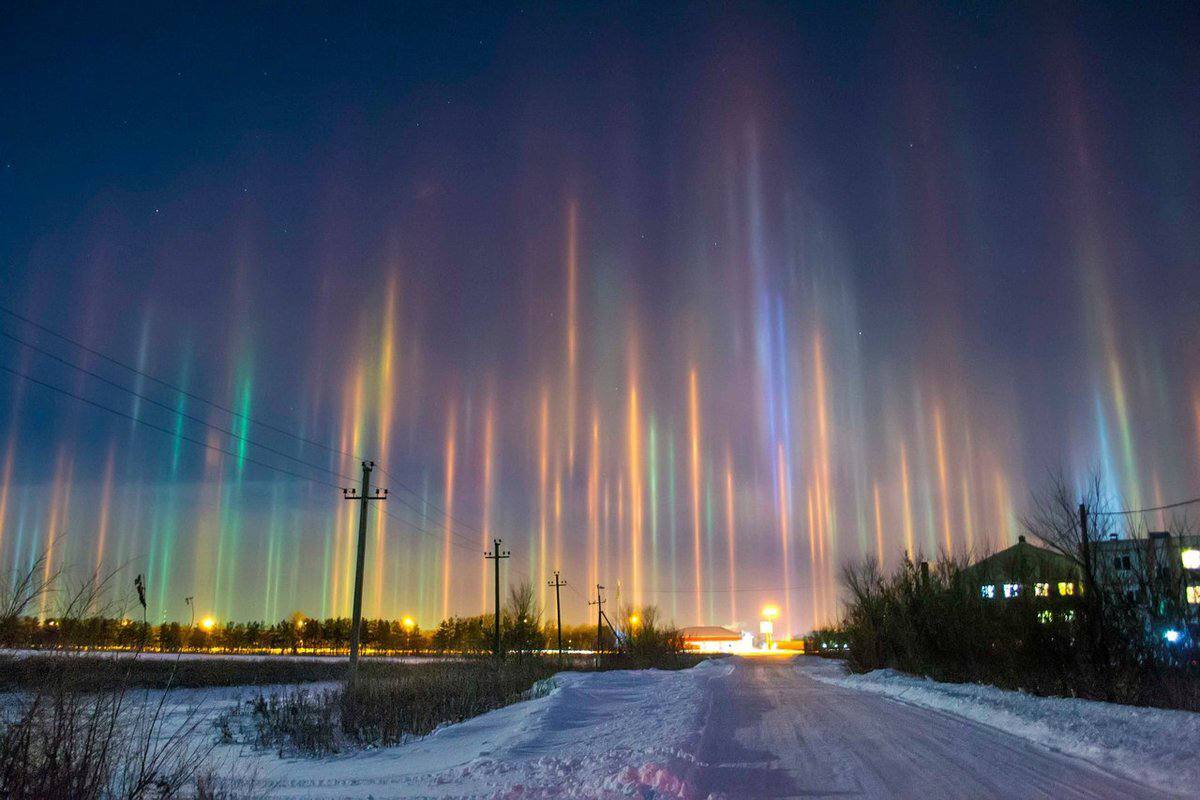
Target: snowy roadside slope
pixel 1151 746
pixel 597 735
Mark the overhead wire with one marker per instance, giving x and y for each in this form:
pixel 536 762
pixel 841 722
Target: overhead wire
pixel 168 431
pixel 438 510
pixel 171 410
pixel 167 384
pixel 1131 511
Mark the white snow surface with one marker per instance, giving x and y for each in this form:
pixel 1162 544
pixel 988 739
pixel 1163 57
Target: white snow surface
pixel 596 735
pixel 743 728
pixel 1152 746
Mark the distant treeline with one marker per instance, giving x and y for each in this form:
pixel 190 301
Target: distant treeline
pixel 521 631
pixel 332 635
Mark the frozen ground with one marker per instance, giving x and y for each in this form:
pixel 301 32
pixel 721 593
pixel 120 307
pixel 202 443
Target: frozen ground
pixel 766 728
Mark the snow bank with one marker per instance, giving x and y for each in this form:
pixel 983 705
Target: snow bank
pixel 605 735
pixel 1152 746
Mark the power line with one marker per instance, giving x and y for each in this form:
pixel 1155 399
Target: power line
pixel 172 410
pixel 436 508
pixel 167 431
pixel 167 384
pixel 408 526
pixel 202 399
pixel 474 548
pixel 1131 511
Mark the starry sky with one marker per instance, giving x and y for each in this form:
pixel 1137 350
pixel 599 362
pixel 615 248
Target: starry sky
pixel 696 301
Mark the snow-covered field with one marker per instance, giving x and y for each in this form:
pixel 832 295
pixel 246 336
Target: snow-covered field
pixel 1152 746
pixel 596 735
pixel 742 728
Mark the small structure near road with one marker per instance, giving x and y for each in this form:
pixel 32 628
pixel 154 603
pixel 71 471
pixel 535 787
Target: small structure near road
pixel 715 639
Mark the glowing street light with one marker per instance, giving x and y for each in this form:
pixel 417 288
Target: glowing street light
pixel 1191 559
pixel 767 626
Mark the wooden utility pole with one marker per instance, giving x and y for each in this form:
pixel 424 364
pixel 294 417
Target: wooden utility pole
pixel 362 496
pixel 556 583
pixel 496 555
pixel 599 604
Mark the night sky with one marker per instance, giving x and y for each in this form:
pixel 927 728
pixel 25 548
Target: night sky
pixel 695 302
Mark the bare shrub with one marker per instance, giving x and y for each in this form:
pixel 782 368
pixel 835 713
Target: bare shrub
pixel 68 737
pixel 1105 643
pixel 384 708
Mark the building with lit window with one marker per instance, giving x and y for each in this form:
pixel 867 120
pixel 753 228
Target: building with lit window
pixel 1159 563
pixel 1026 571
pixel 1160 574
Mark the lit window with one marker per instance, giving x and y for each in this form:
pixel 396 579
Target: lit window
pixel 1012 590
pixel 1193 595
pixel 1066 588
pixel 1041 590
pixel 988 592
pixel 1069 616
pixel 1191 559
pixel 1045 617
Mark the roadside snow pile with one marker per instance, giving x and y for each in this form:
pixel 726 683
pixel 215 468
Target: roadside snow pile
pixel 1149 745
pixel 605 735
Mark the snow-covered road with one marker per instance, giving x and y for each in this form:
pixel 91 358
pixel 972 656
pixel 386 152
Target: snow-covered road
pixel 731 728
pixel 772 731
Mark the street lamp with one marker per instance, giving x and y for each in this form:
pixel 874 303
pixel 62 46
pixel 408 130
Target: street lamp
pixel 767 626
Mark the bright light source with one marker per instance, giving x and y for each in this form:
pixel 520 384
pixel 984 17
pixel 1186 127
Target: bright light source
pixel 409 623
pixel 208 622
pixel 1191 559
pixel 633 619
pixel 1172 635
pixel 770 612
